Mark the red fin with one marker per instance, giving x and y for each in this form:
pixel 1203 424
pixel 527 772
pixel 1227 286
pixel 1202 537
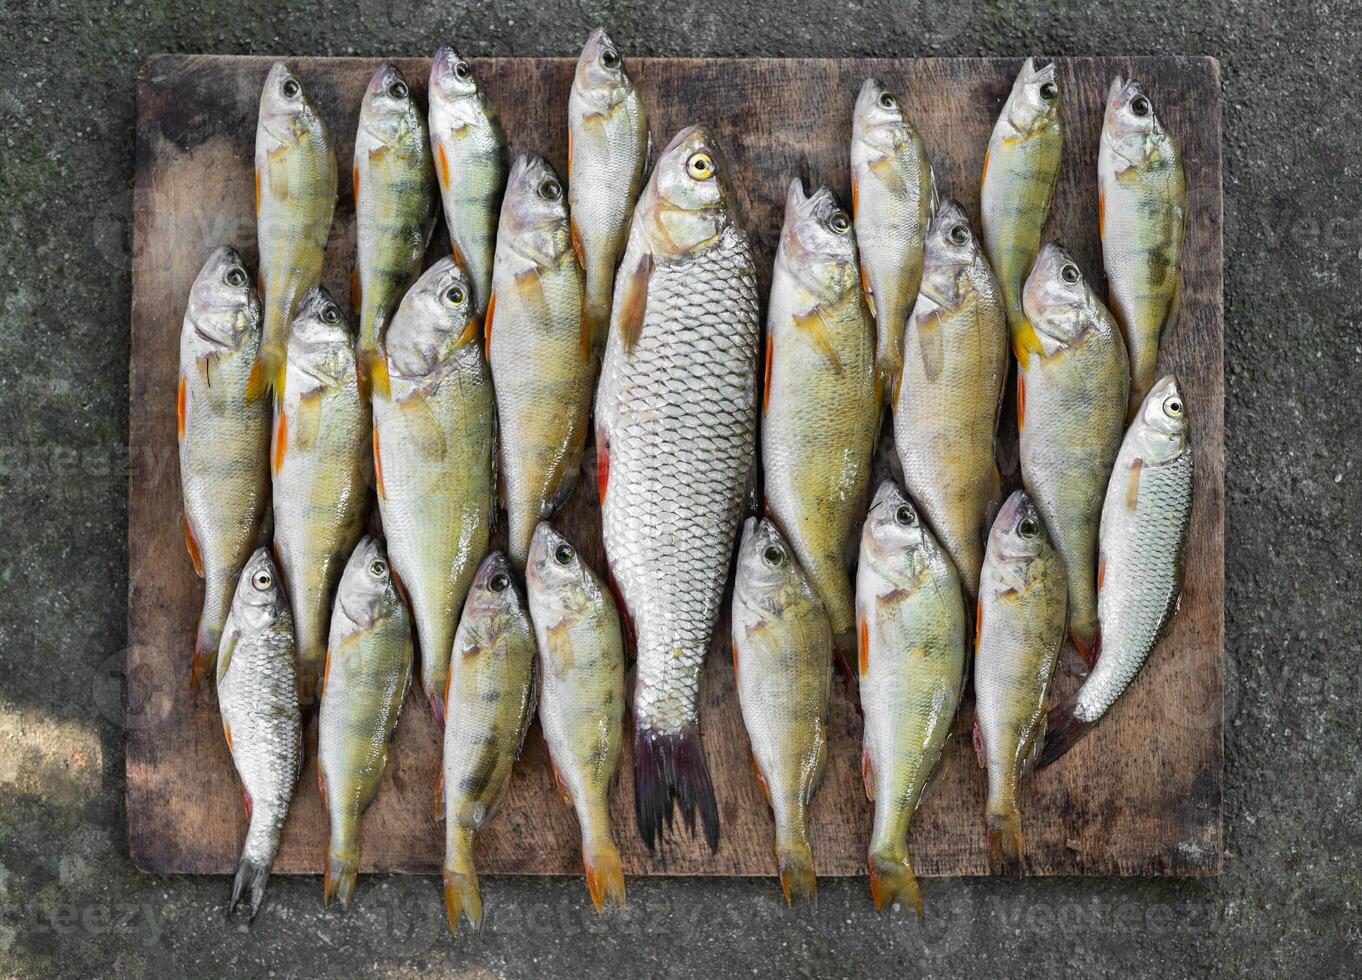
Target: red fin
pixel 1088 651
pixel 983 174
pixel 205 659
pixel 577 245
pixel 604 879
pixel 602 468
pixel 437 707
pixel 246 801
pixel 562 786
pixel 766 377
pixel 1005 843
pixel 633 304
pixel 1062 730
pixel 669 772
pixel 867 773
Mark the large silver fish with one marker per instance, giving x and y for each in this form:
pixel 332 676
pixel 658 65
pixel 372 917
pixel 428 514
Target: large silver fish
pixel 676 416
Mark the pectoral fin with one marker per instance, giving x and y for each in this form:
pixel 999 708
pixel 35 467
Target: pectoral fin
pixel 422 427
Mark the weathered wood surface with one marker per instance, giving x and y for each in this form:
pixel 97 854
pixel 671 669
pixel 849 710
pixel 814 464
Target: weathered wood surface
pixel 1141 795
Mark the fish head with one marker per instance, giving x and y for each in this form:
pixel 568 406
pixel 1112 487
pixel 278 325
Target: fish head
pixel 769 576
pixel 1034 104
pixel 494 600
pixel 259 599
pixel 223 313
pixel 534 214
pixel 600 78
pixel 1018 536
pixel 686 204
pixel 878 119
pixel 367 591
pixel 897 541
pixel 556 574
pixel 321 343
pixel 951 247
pixel 1055 298
pixel 818 244
pixel 389 113
pixel 285 109
pixel 1130 116
pixel 434 322
pixel 451 78
pixel 1160 428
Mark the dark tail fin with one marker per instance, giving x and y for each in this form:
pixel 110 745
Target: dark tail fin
pixel 797 879
pixel 892 880
pixel 462 898
pixel 1062 730
pixel 671 768
pixel 1005 843
pixel 251 877
pixel 342 871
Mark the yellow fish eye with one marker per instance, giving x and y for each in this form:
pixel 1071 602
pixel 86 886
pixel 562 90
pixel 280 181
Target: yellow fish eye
pixel 262 580
pixel 378 568
pixel 700 166
pixel 1172 407
pixel 839 222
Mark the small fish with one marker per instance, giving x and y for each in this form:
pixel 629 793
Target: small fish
pixel 1142 218
pixel 435 460
pixel 224 440
pixel 946 413
pixel 581 696
pixel 912 671
pixel 1018 636
pixel 782 662
pixel 1145 519
pixel 469 148
pixel 395 208
pixel 258 700
pixel 492 695
pixel 608 148
pixel 676 425
pixel 295 200
pixel 322 463
pixel 368 672
pixel 1021 169
pixel 893 197
pixel 1071 409
pixel 539 350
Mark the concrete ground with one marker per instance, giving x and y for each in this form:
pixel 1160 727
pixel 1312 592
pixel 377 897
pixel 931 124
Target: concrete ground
pixel 71 904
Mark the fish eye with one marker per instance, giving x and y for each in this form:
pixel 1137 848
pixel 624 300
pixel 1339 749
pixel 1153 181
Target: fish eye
pixel 455 295
pixel 959 234
pixel 378 568
pixel 291 88
pixel 550 189
pixel 839 222
pixel 236 276
pixel 499 582
pixel 1173 407
pixel 700 166
pixel 773 555
pixel 262 580
pixel 1070 274
pixel 610 58
pixel 398 90
pixel 1028 528
pixel 462 71
pixel 905 516
pixel 1048 91
pixel 330 314
pixel 887 100
pixel 1139 105
pixel 563 554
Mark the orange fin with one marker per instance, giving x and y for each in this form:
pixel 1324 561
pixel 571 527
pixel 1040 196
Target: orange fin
pixel 867 773
pixel 577 245
pixel 602 467
pixel 462 900
pixel 1133 485
pixel 1005 843
pixel 604 879
pixel 441 167
pixel 487 324
pixel 378 467
pixel 735 663
pixel 280 448
pixel 633 304
pixel 192 546
pixel 1101 214
pixel 1021 400
pixel 892 880
pixel 181 398
pixel 863 645
pixel 562 786
pixel 797 879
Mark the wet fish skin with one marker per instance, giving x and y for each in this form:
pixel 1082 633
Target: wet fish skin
pixel 676 418
pixel 1146 517
pixel 608 145
pixel 581 696
pixel 223 432
pixel 539 350
pixel 435 460
pixel 395 209
pixel 368 672
pixel 1022 612
pixel 782 662
pixel 911 612
pixel 295 200
pixel 821 405
pixel 492 701
pixel 1071 405
pixel 1021 169
pixel 1142 218
pixel 321 459
pixel 946 411
pixel 258 701
pixel 893 198
pixel 469 150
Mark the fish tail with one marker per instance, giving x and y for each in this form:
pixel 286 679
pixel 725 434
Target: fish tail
pixel 437 708
pixel 794 861
pixel 1062 730
pixel 205 658
pixel 597 312
pixel 462 899
pixel 1005 841
pixel 892 880
pixel 267 373
pixel 342 871
pixel 251 877
pixel 671 768
pixel 372 368
pixel 604 875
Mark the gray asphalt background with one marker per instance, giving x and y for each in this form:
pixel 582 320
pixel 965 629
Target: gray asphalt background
pixel 71 904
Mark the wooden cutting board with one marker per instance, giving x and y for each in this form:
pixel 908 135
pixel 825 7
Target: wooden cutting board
pixel 1139 796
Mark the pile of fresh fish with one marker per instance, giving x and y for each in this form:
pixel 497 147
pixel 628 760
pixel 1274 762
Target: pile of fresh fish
pixel 626 297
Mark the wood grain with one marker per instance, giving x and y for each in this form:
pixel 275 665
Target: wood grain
pixel 1140 796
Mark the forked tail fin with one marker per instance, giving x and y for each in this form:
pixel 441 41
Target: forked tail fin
pixel 251 877
pixel 462 899
pixel 798 882
pixel 1062 730
pixel 892 880
pixel 671 769
pixel 1005 842
pixel 604 877
pixel 342 871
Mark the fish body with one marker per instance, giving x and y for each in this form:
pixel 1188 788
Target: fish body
pixel 258 700
pixel 295 200
pixel 893 197
pixel 911 612
pixel 946 411
pixel 1145 521
pixel 581 696
pixel 676 418
pixel 1071 408
pixel 821 405
pixel 368 671
pixel 322 464
pixel 435 461
pixel 607 151
pixel 539 350
pixel 1142 218
pixel 224 439
pixel 492 694
pixel 395 208
pixel 1021 169
pixel 1022 607
pixel 469 150
pixel 782 656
